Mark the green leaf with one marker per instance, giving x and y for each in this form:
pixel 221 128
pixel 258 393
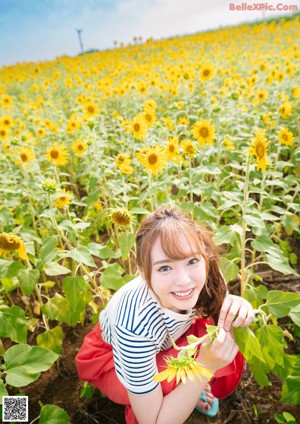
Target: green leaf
pixel 126 243
pixel 57 308
pixel 24 363
pixel 289 362
pixel 271 340
pixel 76 291
pixel 229 269
pixel 51 339
pixel 111 277
pixel 280 303
pixel 226 235
pixel 248 343
pixel 281 264
pixel 290 390
pixel 82 255
pixel 51 414
pixel 103 252
pixel 256 295
pixel 265 244
pixel 48 251
pixel 295 315
pixel 13 324
pixel 289 418
pixel 28 279
pixel 258 370
pixel 254 221
pixel 3 391
pixel 53 268
pixel 13 269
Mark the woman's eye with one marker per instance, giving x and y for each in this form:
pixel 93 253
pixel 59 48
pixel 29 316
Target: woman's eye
pixel 193 261
pixel 164 268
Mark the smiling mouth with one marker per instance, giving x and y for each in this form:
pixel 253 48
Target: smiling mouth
pixel 184 294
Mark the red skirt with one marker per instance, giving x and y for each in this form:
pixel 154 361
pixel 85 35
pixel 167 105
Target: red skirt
pixel 95 364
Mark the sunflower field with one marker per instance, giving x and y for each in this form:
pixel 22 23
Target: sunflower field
pixel 90 144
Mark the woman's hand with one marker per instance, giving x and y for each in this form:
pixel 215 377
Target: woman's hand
pixel 235 312
pixel 220 352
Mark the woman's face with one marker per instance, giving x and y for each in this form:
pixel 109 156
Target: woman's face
pixel 177 283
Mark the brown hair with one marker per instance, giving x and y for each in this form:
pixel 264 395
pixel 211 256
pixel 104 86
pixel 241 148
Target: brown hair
pixel 168 222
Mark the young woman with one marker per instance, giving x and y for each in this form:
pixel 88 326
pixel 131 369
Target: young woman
pixel 179 284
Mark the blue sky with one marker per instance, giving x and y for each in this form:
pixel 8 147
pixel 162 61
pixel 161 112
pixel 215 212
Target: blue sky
pixel 37 30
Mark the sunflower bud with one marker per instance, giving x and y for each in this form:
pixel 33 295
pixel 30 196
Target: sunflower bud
pixel 49 185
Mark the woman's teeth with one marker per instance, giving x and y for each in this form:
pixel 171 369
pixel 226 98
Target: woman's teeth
pixel 183 294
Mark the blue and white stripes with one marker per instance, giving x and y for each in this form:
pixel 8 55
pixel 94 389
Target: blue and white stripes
pixel 137 327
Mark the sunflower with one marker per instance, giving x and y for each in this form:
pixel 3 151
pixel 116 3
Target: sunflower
pixel 154 158
pixel 261 95
pixel 73 124
pixel 57 154
pixel 149 117
pixel 286 137
pixel 4 133
pixel 183 120
pixel 79 147
pixel 98 205
pixel 25 155
pixel 207 72
pixel 91 109
pixel 6 100
pixel 189 147
pixel 62 199
pixel 149 104
pixel 123 162
pixel 296 92
pixel 172 149
pixel 10 242
pixel 228 143
pixel 40 132
pixel 6 121
pixel 138 127
pixel 204 131
pixel 121 217
pixel 285 109
pixel 181 368
pixel 259 149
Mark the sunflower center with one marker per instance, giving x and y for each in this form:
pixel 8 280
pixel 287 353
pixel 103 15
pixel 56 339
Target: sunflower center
pixel 152 159
pixel 171 148
pixel 8 244
pixel 54 154
pixel 285 137
pixel 24 157
pixel 3 133
pixel 206 72
pixel 260 150
pixel 137 127
pixel 91 109
pixel 80 147
pixel 203 132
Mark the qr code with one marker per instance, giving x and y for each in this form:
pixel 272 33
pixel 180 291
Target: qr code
pixel 15 408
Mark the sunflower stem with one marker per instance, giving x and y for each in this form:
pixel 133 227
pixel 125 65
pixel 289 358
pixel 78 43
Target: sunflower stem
pixel 244 228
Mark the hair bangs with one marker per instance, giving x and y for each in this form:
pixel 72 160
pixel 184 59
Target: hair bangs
pixel 171 241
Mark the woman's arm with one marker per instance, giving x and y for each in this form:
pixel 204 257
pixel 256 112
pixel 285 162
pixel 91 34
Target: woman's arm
pixel 175 408
pixel 236 312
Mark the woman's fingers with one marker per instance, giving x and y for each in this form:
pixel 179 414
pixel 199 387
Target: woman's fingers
pixel 235 312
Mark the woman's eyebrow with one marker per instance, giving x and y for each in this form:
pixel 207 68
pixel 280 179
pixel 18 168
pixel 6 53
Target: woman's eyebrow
pixel 162 261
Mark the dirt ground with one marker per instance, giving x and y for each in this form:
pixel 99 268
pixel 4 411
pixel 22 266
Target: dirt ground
pixel 248 404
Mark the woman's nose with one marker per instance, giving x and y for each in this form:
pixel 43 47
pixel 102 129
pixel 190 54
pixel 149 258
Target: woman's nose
pixel 182 277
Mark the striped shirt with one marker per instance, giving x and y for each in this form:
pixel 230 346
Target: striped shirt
pixel 138 327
